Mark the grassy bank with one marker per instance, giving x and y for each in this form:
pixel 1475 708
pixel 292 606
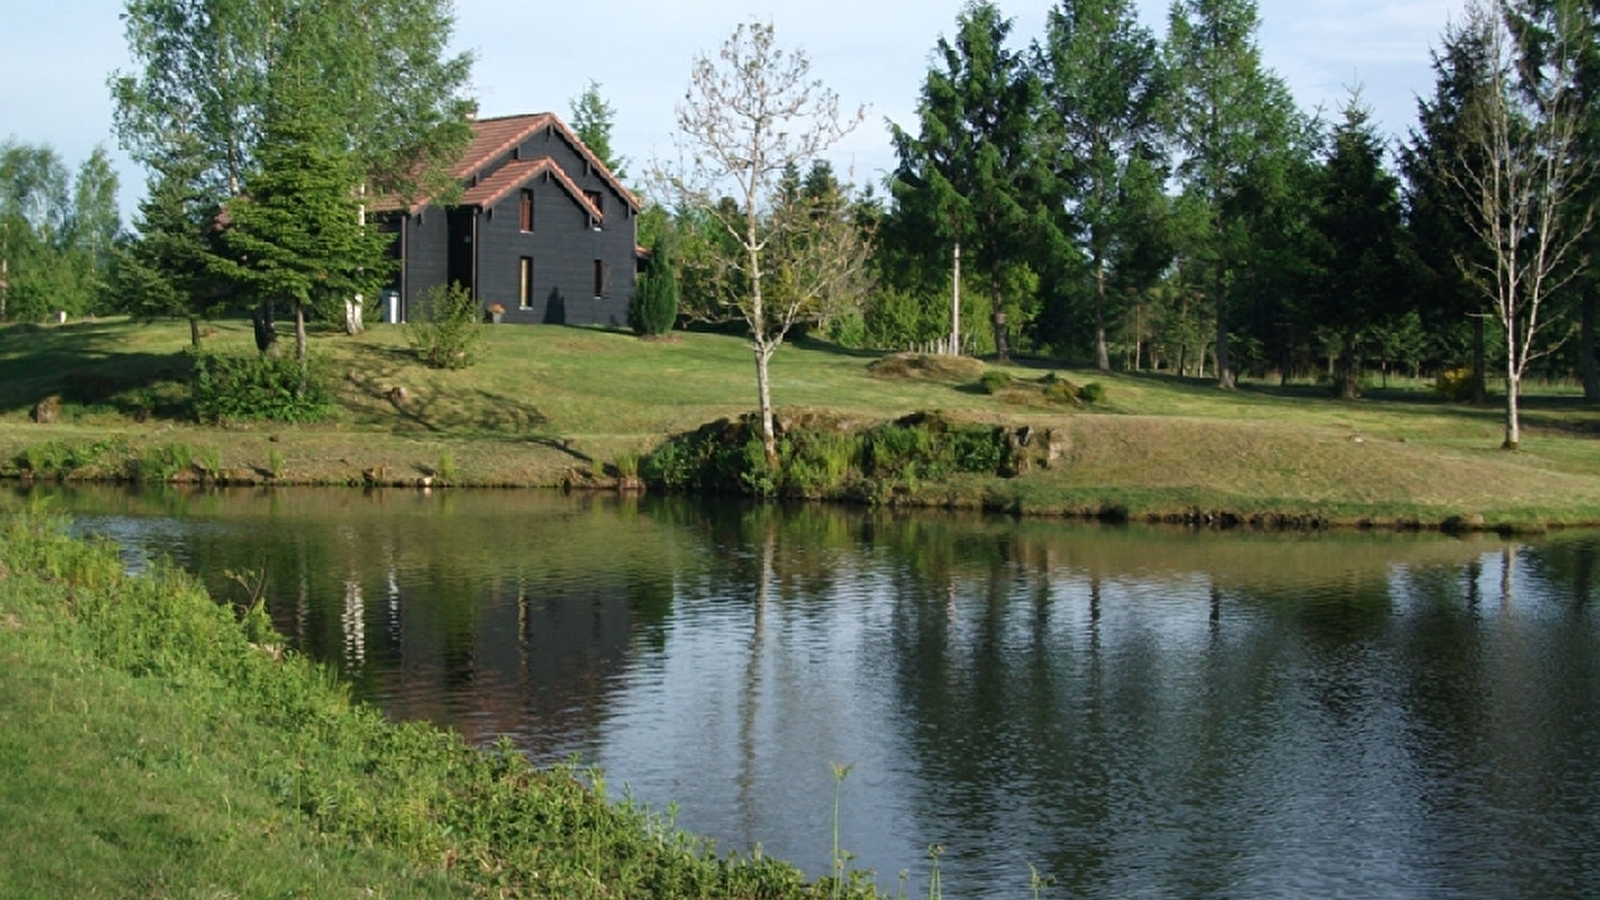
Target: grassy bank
pixel 551 406
pixel 154 750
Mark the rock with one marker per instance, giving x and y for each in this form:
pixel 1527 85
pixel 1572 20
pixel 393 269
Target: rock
pixel 398 395
pixel 47 410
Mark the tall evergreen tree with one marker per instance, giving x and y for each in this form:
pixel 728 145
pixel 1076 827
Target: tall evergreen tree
pixel 166 270
pixel 1103 84
pixel 1431 160
pixel 592 121
pixel 964 177
pixel 296 235
pixel 1230 118
pixel 1358 226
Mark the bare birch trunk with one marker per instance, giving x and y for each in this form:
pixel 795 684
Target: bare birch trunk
pixel 955 303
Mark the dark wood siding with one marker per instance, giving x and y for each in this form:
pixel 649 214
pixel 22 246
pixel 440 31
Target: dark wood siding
pixel 425 259
pixel 563 245
pixel 564 250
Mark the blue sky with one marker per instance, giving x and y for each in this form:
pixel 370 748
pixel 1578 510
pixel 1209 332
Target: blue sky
pixel 533 56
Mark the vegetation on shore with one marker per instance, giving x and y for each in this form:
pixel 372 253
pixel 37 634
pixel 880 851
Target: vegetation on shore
pixel 206 761
pixel 582 408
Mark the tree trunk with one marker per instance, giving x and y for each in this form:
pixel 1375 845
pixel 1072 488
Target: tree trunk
pixel 265 322
pixel 194 332
pixel 1586 356
pixel 1480 390
pixel 1102 357
pixel 1513 424
pixel 300 348
pixel 1002 348
pixel 1225 379
pixel 769 437
pixel 955 302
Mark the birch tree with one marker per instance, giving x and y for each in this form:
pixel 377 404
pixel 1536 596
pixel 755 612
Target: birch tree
pixel 1525 183
pixel 752 113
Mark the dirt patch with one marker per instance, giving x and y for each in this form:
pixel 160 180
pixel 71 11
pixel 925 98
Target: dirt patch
pixel 926 367
pixel 9 622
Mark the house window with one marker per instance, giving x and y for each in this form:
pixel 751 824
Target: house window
pixel 525 285
pixel 602 279
pixel 526 219
pixel 598 199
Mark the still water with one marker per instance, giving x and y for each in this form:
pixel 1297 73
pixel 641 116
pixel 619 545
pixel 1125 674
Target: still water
pixel 1131 713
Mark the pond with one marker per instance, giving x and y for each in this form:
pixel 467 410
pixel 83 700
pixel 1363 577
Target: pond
pixel 1128 712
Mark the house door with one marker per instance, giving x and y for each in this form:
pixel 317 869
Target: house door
pixel 462 226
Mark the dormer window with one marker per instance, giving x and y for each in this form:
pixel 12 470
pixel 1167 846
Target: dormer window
pixel 597 200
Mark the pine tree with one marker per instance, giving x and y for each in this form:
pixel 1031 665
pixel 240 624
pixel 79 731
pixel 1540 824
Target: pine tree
pixel 966 176
pixel 592 121
pixel 1103 85
pixel 1357 220
pixel 655 301
pixel 1435 206
pixel 297 234
pixel 1230 117
pixel 166 270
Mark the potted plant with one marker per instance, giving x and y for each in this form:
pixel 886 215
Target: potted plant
pixel 495 312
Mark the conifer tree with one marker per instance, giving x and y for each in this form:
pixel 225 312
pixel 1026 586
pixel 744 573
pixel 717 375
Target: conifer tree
pixel 655 301
pixel 297 235
pixel 592 121
pixel 1230 118
pixel 965 176
pixel 1358 224
pixel 166 270
pixel 1103 85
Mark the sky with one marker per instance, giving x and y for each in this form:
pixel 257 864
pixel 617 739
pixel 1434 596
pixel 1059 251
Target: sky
pixel 533 56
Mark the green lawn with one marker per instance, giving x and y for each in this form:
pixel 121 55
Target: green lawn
pixel 551 404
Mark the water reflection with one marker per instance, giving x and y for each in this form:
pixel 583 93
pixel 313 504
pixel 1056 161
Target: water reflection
pixel 1135 713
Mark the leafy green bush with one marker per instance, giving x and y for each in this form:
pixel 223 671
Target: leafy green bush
pixel 244 387
pixel 822 461
pixel 60 458
pixel 994 381
pixel 451 332
pixel 1092 393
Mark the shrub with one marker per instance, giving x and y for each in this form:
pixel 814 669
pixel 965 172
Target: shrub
pixel 994 381
pixel 451 330
pixel 161 463
pixel 1092 393
pixel 1454 385
pixel 654 309
pixel 251 387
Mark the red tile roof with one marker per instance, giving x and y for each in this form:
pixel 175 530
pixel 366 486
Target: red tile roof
pixel 493 138
pixel 516 173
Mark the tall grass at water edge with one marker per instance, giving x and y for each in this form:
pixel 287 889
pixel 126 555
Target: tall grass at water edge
pixel 163 747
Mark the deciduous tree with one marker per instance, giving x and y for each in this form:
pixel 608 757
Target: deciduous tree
pixel 1526 185
pixel 752 113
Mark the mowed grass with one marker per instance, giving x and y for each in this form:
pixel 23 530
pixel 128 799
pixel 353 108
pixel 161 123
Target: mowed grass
pixel 550 404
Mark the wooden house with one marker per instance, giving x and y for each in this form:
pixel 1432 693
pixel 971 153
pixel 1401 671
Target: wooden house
pixel 541 229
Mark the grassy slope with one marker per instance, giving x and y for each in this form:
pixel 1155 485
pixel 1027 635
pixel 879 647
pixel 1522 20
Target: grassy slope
pixel 552 400
pixel 151 751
